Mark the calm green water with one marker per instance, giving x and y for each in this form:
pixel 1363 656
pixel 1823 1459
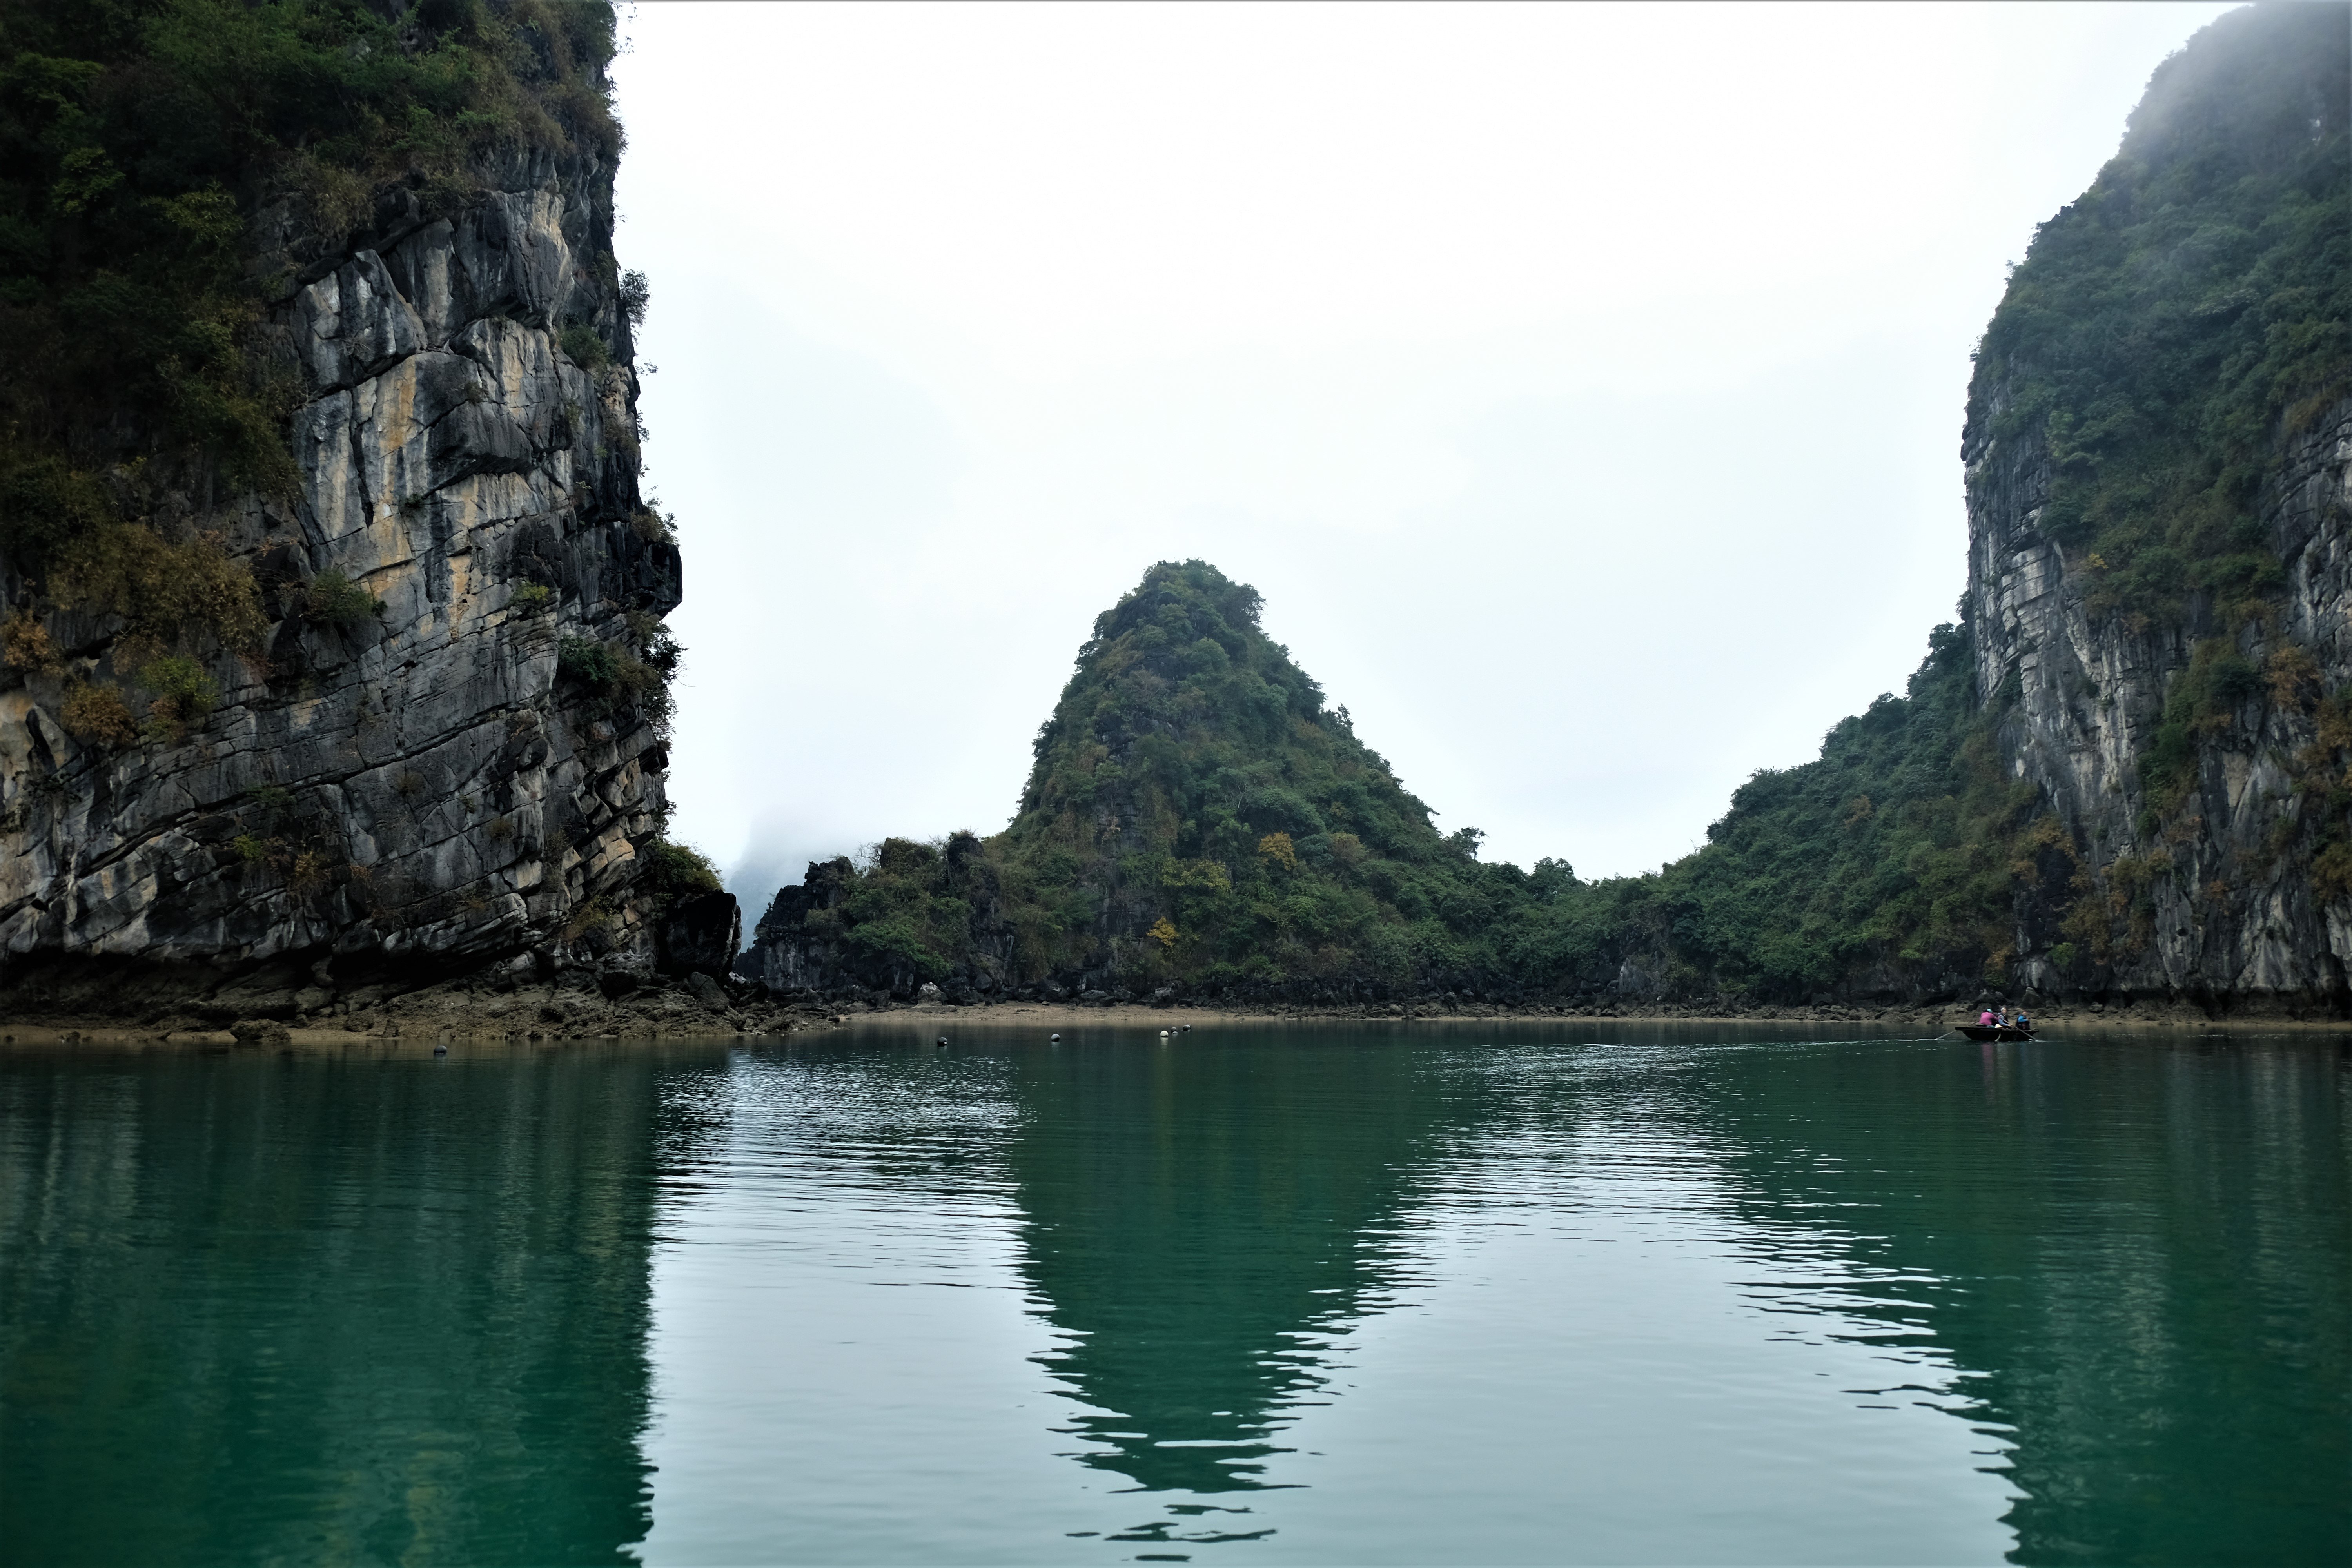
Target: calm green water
pixel 1315 1296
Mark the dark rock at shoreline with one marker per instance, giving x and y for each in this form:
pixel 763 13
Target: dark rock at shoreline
pixel 700 935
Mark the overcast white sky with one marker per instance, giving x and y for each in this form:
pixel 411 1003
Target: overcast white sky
pixel 1582 386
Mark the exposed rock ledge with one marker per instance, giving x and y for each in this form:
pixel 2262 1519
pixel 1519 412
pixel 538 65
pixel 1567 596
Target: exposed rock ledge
pixel 518 998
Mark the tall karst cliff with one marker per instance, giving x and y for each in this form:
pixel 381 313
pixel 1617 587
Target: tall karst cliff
pixel 2159 441
pixel 2125 774
pixel 333 645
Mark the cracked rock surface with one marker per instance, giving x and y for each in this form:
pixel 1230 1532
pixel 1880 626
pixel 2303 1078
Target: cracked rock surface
pixel 416 791
pixel 2217 898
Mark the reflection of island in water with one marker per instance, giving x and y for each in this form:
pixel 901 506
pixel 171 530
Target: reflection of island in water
pixel 1199 1216
pixel 2139 1249
pixel 2125 1261
pixel 262 1310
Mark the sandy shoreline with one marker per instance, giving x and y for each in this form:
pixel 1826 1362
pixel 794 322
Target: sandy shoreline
pixel 423 1031
pixel 1051 1016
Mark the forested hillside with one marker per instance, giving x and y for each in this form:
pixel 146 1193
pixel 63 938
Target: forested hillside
pixel 1198 816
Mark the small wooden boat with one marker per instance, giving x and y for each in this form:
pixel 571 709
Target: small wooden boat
pixel 1995 1032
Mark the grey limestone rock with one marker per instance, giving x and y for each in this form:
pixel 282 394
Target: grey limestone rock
pixel 419 790
pixel 2220 903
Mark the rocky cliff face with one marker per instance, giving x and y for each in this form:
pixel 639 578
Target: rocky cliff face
pixel 2213 896
pixel 2158 449
pixel 416 775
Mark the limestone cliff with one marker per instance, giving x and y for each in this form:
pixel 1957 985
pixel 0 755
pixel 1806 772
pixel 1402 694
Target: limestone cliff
pixel 2157 455
pixel 445 748
pixel 2214 891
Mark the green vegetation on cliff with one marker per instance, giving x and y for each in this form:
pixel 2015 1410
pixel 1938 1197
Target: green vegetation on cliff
pixel 1196 809
pixel 1197 814
pixel 2196 303
pixel 2164 338
pixel 1897 852
pixel 165 169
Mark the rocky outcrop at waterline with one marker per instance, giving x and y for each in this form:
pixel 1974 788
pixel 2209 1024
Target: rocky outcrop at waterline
pixel 700 934
pixel 428 734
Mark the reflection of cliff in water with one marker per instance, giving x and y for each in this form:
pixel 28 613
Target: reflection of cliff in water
pixel 2140 1250
pixel 1199 1216
pixel 363 1310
